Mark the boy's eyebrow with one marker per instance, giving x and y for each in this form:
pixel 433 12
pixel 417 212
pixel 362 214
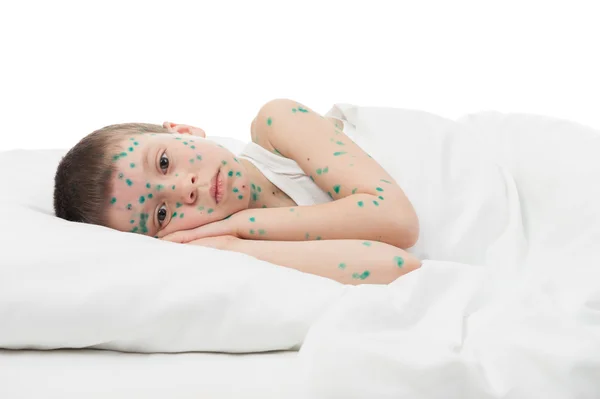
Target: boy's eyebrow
pixel 146 161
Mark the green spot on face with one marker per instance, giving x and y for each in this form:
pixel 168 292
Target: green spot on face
pixel 338 153
pixel 130 149
pixel 113 200
pixel 238 174
pixel 342 266
pixel 181 215
pixel 376 203
pixel 360 203
pixel 178 204
pixel 193 147
pixel 148 185
pixel 385 181
pixel 293 109
pixel 131 221
pixel 339 143
pixel 132 165
pixel 354 191
pixel 129 182
pixel 269 121
pixel 253 186
pixel 399 261
pixel 367 244
pixel 200 208
pixel 199 157
pixel 185 143
pixel 254 197
pixel 129 207
pixel 379 189
pixel 319 171
pixel 336 188
pixel 326 169
pixel 362 276
pixel 191 160
pixel 251 231
pixel 252 219
pixel 120 175
pixel 210 210
pixel 240 197
pixel 150 195
pixel 261 232
pixel 159 187
pixel 224 162
pixel 259 189
pixel 291 209
pixel 135 143
pixel 173 187
pixel 142 199
pixel 134 230
pixel 174 214
pixel 235 190
pixel 230 173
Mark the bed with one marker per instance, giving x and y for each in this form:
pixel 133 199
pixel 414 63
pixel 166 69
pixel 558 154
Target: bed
pixel 506 305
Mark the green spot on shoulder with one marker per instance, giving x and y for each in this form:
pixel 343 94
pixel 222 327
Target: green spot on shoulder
pixel 338 153
pixel 360 204
pixel 342 265
pixel 399 261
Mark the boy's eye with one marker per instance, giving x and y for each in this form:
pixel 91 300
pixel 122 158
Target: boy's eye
pixel 161 214
pixel 164 162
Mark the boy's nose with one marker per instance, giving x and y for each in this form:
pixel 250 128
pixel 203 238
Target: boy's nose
pixel 188 191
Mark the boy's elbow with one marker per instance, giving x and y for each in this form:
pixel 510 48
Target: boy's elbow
pixel 406 231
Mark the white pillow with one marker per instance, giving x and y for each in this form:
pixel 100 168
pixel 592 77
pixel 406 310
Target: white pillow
pixel 73 285
pixel 458 193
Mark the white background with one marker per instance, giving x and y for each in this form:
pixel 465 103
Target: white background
pixel 70 67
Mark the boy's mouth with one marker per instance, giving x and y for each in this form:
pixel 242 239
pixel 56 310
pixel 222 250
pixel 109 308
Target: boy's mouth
pixel 216 190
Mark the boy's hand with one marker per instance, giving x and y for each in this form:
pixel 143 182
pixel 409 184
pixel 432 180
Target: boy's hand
pixel 225 227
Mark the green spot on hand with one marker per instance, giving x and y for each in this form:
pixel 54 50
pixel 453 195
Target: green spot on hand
pixel 128 207
pixel 354 191
pixel 129 182
pixel 329 193
pixel 339 143
pixel 326 169
pixel 399 261
pixel 291 209
pixel 335 154
pixel 376 203
pixel 132 165
pixel 224 162
pixel 193 147
pixel 259 189
pixel 269 121
pixel 366 244
pixel 360 203
pixel 142 199
pixel 319 171
pixel 342 265
pixel 306 236
pixel 254 197
pixel 336 188
pixel 135 143
pixel 379 189
pixel 252 219
pixel 113 200
pixel 385 181
pixel 302 109
pixel 253 186
pixel 191 160
pixel 318 238
pixel 185 143
pixel 293 109
pixel 362 276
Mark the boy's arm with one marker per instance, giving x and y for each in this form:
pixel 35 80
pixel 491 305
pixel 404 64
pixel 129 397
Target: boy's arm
pixel 346 261
pixel 346 218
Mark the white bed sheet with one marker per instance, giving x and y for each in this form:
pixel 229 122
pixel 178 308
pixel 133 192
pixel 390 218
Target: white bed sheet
pixel 88 374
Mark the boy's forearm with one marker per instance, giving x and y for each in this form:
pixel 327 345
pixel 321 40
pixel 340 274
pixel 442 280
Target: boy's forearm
pixel 352 217
pixel 346 261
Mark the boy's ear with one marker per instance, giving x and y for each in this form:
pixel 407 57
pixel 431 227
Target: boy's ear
pixel 184 129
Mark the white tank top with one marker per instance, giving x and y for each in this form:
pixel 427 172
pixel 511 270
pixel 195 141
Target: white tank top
pixel 286 175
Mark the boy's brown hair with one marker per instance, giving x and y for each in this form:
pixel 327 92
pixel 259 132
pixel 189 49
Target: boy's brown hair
pixel 82 183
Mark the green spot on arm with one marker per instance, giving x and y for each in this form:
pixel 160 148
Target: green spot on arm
pixel 252 219
pixel 367 243
pixel 269 121
pixel 336 188
pixel 399 261
pixel 338 153
pixel 379 189
pixel 360 204
pixel 342 265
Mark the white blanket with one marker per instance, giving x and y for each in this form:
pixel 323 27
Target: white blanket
pixel 524 323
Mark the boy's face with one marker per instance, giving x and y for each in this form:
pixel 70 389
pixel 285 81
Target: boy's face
pixel 169 182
